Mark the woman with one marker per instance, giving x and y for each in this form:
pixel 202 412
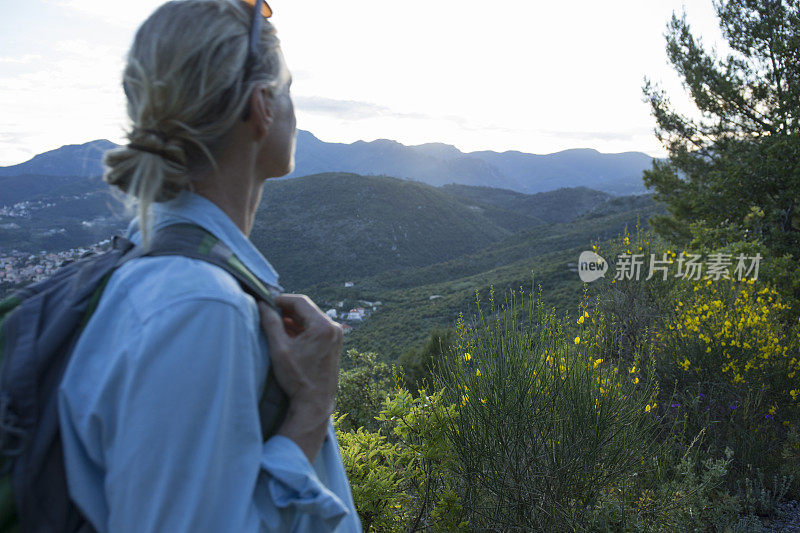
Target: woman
pixel 159 404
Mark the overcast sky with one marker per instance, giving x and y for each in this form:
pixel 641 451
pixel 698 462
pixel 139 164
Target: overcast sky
pixel 535 76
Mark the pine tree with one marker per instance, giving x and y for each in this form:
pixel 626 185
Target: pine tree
pixel 736 169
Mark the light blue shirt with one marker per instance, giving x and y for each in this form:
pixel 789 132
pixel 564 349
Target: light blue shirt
pixel 159 404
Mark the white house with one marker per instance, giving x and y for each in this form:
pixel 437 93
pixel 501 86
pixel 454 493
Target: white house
pixel 356 314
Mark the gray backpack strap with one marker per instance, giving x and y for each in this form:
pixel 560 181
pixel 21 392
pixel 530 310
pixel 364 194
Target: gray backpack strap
pixel 193 241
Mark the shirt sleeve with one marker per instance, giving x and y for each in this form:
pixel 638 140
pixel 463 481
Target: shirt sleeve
pixel 182 445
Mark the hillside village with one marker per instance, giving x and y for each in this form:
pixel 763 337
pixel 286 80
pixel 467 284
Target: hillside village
pixel 23 209
pixel 355 315
pixel 21 268
pixel 18 268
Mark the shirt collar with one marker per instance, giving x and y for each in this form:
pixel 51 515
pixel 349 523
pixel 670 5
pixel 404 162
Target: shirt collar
pixel 193 208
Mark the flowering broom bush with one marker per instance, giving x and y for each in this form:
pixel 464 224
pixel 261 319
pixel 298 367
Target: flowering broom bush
pixel 734 361
pixel 736 329
pixel 544 418
pixel 726 352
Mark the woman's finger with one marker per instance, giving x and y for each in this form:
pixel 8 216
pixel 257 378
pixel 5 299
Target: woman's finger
pixel 299 307
pixel 273 326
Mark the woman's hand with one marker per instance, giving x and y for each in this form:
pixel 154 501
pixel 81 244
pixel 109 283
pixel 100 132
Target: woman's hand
pixel 304 347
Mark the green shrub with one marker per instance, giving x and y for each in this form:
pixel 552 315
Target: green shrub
pixel 362 390
pixel 681 496
pixel 726 350
pixel 545 419
pixel 400 473
pixel 419 365
pixel 733 360
pixel 375 469
pixel 761 498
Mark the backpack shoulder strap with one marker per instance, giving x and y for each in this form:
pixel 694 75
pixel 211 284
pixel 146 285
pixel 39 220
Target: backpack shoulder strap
pixel 192 241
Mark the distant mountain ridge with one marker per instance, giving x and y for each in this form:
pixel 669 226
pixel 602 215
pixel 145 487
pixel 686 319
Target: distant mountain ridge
pixel 433 163
pixel 73 160
pixel 319 228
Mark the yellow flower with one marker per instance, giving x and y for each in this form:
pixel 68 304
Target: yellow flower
pixel 632 369
pixel 647 409
pixel 597 363
pixel 635 381
pixel 483 400
pixel 464 399
pixel 478 372
pixel 577 340
pixel 467 356
pixel 580 320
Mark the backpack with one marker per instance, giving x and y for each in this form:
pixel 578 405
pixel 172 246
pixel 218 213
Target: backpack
pixel 39 327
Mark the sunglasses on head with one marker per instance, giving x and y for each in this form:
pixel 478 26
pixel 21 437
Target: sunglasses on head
pixel 255 31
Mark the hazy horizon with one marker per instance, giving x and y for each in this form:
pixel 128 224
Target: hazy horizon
pixel 532 78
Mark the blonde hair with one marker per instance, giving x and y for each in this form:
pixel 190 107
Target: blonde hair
pixel 186 89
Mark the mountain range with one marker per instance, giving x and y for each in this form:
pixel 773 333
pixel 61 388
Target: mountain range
pixel 434 163
pixel 422 250
pixel 315 229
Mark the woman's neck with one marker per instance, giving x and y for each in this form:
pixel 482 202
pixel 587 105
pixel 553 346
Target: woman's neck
pixel 233 188
pixel 240 206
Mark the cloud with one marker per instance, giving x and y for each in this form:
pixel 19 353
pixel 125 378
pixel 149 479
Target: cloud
pixel 350 109
pixel 72 94
pixel 24 60
pixel 582 135
pixel 609 135
pixel 123 14
pixel 355 110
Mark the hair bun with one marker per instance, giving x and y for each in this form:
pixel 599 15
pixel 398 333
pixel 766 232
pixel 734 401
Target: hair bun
pixel 158 143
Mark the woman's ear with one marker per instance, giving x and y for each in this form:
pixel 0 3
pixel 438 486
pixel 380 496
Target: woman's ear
pixel 260 105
